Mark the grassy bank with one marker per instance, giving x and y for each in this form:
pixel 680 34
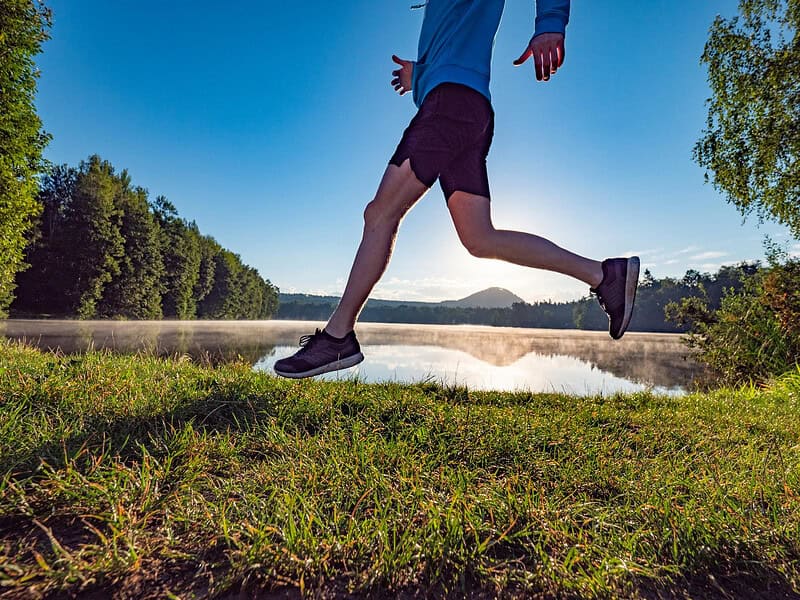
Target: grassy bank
pixel 143 478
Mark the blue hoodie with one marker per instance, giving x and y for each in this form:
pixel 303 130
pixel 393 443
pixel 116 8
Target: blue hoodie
pixel 455 45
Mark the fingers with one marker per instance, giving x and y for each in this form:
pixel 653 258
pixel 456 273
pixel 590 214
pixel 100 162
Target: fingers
pixel 547 51
pixel 399 86
pixel 402 76
pixel 524 56
pixel 538 65
pixel 547 65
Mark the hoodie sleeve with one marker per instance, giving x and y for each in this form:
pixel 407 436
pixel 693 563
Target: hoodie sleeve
pixel 552 16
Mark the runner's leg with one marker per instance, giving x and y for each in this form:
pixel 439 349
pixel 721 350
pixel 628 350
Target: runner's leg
pixel 399 190
pixel 472 218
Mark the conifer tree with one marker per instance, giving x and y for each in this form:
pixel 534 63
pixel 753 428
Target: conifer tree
pixel 180 250
pixel 42 287
pixel 225 298
pixel 93 240
pixel 209 248
pixel 136 292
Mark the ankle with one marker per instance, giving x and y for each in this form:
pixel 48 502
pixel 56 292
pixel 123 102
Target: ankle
pixel 337 332
pixel 596 277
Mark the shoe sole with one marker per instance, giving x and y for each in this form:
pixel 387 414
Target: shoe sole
pixel 336 365
pixel 631 284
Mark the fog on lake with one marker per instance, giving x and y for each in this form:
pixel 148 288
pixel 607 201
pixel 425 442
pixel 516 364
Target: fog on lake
pixel 499 358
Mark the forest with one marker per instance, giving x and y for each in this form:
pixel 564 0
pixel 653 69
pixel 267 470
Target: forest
pixel 101 248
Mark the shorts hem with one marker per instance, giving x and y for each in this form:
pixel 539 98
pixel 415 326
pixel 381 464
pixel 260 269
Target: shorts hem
pixel 398 159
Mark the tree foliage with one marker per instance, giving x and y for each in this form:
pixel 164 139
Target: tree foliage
pixel 753 332
pixel 92 227
pixel 238 291
pixel 136 292
pixel 751 147
pixel 180 247
pixel 42 289
pixel 24 26
pixel 102 250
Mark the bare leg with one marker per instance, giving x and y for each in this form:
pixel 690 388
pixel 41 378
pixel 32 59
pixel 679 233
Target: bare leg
pixel 472 217
pixel 398 192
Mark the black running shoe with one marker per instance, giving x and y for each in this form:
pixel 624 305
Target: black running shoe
pixel 321 353
pixel 617 292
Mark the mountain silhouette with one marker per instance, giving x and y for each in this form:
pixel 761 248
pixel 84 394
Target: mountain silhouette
pixel 494 297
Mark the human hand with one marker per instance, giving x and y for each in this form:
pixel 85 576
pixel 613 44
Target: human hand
pixel 547 50
pixel 402 76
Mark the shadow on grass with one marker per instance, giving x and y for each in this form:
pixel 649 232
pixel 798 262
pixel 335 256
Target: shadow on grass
pixel 761 584
pixel 230 406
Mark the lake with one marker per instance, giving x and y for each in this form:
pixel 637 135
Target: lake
pixel 489 358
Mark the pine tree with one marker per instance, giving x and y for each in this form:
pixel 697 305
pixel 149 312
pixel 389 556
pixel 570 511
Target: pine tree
pixel 209 248
pixel 136 292
pixel 41 288
pixel 180 249
pixel 225 298
pixel 92 241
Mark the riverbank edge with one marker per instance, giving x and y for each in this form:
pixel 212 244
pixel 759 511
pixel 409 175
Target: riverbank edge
pixel 142 477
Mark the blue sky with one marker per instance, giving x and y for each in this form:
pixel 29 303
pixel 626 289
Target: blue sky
pixel 270 124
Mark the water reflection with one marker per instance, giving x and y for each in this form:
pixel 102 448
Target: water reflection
pixel 204 341
pixel 481 357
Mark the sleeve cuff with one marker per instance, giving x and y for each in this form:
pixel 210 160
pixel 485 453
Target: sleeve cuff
pixel 550 24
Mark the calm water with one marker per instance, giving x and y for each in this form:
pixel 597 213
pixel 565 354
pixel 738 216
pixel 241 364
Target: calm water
pixel 480 357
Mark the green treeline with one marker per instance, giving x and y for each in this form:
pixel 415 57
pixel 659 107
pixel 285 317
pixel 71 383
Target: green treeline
pixel 102 249
pixel 24 26
pixel 652 299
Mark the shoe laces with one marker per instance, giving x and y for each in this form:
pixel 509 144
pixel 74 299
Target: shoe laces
pixel 306 340
pixel 600 299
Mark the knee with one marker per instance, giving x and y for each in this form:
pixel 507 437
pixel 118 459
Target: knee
pixel 479 245
pixel 377 216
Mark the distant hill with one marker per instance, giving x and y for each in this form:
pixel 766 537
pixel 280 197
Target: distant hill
pixel 491 298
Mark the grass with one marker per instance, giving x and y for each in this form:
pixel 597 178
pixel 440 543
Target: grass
pixel 137 477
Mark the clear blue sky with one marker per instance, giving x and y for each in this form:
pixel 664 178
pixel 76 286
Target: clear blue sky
pixel 270 124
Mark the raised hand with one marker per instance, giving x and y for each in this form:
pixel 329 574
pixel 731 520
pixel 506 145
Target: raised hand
pixel 402 76
pixel 547 50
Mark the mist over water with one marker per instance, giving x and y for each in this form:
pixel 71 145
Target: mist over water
pixel 537 360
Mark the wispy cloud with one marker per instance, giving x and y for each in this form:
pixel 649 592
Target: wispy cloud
pixel 697 258
pixel 710 255
pixel 642 252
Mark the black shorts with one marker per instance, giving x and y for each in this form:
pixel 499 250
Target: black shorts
pixel 449 139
